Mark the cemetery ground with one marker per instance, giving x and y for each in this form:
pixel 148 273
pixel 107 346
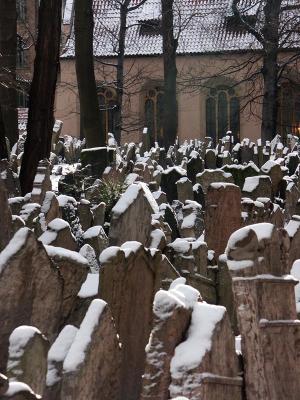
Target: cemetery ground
pixel 139 273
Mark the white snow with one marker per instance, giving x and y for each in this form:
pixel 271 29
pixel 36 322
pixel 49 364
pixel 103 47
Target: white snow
pixel 90 286
pixel 190 353
pixel 76 354
pixel 180 245
pixel 15 245
pixel 130 195
pixel 58 352
pixel 19 339
pixel 63 200
pixel 156 237
pixel 131 247
pixel 108 253
pixel 94 231
pixel 179 294
pixel 61 253
pixel 295 272
pixel 292 227
pixel 17 387
pixel 58 224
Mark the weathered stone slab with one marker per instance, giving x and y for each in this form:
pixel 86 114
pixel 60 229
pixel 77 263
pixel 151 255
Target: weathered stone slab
pixel 132 215
pixel 91 369
pixel 27 357
pixel 34 295
pixel 223 215
pixel 122 274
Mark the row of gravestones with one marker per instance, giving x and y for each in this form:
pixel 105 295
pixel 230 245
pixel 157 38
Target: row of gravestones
pixel 190 345
pixel 152 230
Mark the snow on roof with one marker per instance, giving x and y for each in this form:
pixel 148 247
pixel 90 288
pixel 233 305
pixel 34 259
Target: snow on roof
pixel 204 25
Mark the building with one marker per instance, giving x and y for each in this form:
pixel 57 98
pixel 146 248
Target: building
pixel 218 63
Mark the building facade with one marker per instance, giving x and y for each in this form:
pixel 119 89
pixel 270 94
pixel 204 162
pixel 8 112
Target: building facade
pixel 218 63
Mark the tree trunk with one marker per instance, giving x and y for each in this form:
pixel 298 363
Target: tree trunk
pixel 270 69
pixel 270 105
pixel 8 50
pixel 170 112
pixel 120 70
pixel 3 147
pixel 89 107
pixel 42 92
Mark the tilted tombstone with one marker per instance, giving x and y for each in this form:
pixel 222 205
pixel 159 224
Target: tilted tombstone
pixel 204 365
pixel 96 237
pixel 27 357
pixel 73 269
pixel 58 233
pixel 34 295
pixel 122 274
pixel 168 181
pixel 184 189
pixel 91 368
pixel 131 216
pixel 258 186
pixel 266 311
pixel 209 176
pixel 222 216
pixel 171 318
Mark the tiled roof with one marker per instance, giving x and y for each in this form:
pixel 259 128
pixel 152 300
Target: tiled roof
pixel 203 24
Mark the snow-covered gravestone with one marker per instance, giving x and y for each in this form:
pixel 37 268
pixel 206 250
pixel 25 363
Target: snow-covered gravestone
pixel 73 269
pixel 20 391
pixel 172 312
pixel 130 275
pixel 91 368
pixel 295 272
pixel 27 357
pixel 131 216
pixel 266 312
pixel 96 238
pixel 209 176
pixel 223 215
pixel 59 234
pixel 169 178
pixel 258 186
pixel 5 217
pixel 50 207
pixel 56 357
pixel 30 289
pixel 191 350
pixel 184 189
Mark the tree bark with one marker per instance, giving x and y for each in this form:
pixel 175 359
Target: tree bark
pixel 170 112
pixel 3 147
pixel 120 69
pixel 8 51
pixel 89 107
pixel 270 69
pixel 42 92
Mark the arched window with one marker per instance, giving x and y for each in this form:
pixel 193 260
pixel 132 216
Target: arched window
pixel 107 99
pixel 154 100
pixel 222 112
pixel 289 110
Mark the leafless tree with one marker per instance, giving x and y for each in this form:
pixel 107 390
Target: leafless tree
pixel 84 59
pixel 42 92
pixel 8 47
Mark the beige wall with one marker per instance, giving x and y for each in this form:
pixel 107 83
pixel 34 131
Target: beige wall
pixel 191 100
